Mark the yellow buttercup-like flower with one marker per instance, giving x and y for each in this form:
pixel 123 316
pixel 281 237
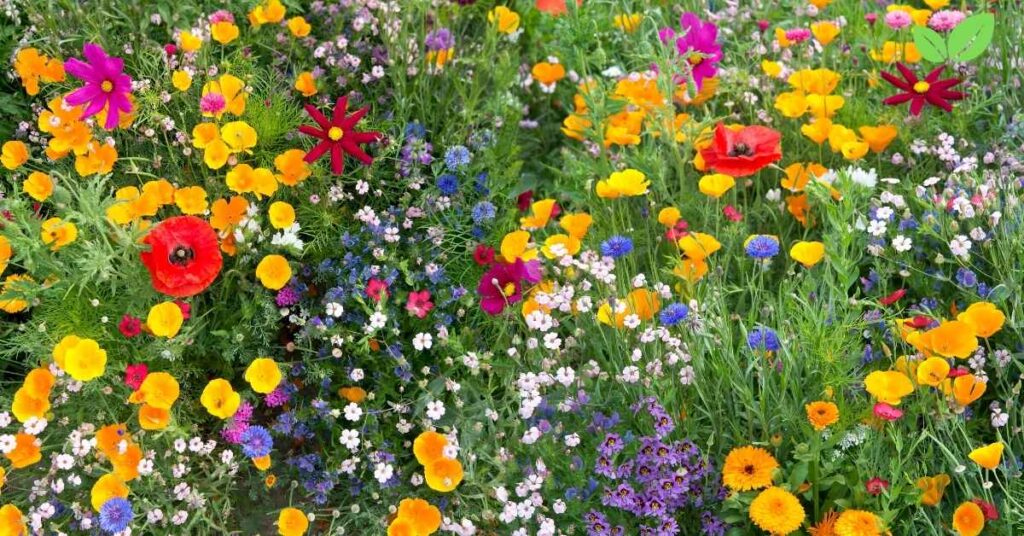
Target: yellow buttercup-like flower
pixel 503 19
pixel 299 27
pixel 282 215
pixel 263 375
pixel 305 84
pixel 626 183
pixel 807 253
pixel 165 319
pixel 38 186
pixel 224 32
pixel 58 233
pixel 716 185
pixel 273 272
pixel 219 399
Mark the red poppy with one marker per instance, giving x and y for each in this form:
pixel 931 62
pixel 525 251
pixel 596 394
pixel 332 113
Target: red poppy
pixel 893 298
pixel 918 322
pixel 876 485
pixel 338 135
pixel 184 257
pixel 956 372
pixel 930 90
pixel 742 152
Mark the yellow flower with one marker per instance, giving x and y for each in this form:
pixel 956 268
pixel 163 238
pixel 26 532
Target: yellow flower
pixel 516 245
pixel 191 200
pixel 817 131
pixel 26 405
pixel 839 135
pixel 968 519
pixel 669 216
pixel 777 511
pixel 305 84
pixel 815 81
pixel 282 215
pixel 424 517
pixel 26 451
pixel 933 371
pixel 825 31
pixel 224 32
pixel 936 4
pixel 858 523
pixel 98 159
pixel 748 468
pixel 576 224
pixel 272 11
pixel 244 179
pixel 151 418
pixel 292 522
pixel 878 138
pixel 503 19
pixel 429 446
pixel 33 67
pixel 443 475
pixel 159 390
pixel 954 338
pixel 967 389
pixel 165 319
pixel 824 105
pixel 273 272
pixel 299 27
pixel 984 318
pixel 291 167
pixel 181 80
pixel 626 183
pixel 854 150
pixel 189 42
pixel 219 399
pixel 628 22
pixel 38 186
pixel 698 245
pixel 987 456
pixel 17 283
pixel 263 375
pixel 12 522
pixel 716 185
pixel 547 73
pixel 239 136
pixel 262 462
pixel 13 154
pixel 771 68
pixel 5 253
pixel 822 414
pixel 107 487
pixel 807 253
pixel 932 488
pixel 888 386
pixel 58 233
pixel 160 191
pixel 792 104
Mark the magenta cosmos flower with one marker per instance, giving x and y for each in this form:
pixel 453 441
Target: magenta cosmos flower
pixel 503 284
pixel 338 135
pixel 698 45
pixel 106 85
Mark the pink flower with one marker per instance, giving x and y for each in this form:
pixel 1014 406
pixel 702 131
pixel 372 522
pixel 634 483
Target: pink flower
pixel 502 285
pixel 946 20
pixel 376 289
pixel 677 231
pixel 106 86
pixel 221 15
pixel 134 375
pixel 898 19
pixel 871 18
pixel 212 103
pixel 732 214
pixel 129 326
pixel 798 35
pixel 988 509
pixel 170 49
pixel 419 303
pixel 876 486
pixel 186 309
pixel 887 413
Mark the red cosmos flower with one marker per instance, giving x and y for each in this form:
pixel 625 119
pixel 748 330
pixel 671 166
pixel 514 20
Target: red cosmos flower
pixel 134 375
pixel 376 289
pixel 419 303
pixel 483 255
pixel 184 256
pixel 338 135
pixel 931 90
pixel 875 486
pixel 893 298
pixel 742 152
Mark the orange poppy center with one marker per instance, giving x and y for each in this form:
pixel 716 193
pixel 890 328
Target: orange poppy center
pixel 107 86
pixel 335 133
pixel 922 87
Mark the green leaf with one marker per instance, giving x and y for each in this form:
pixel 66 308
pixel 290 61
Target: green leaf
pixel 930 44
pixel 971 37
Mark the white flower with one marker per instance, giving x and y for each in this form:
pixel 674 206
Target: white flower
pixel 902 244
pixel 7 443
pixel 422 341
pixel 867 179
pixel 335 309
pixel 435 410
pixel 960 246
pixel 64 461
pixel 383 472
pixel 350 439
pixel 35 426
pixel 353 412
pixel 877 227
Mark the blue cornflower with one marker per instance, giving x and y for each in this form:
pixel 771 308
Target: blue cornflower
pixel 674 314
pixel 415 130
pixel 966 278
pixel 483 211
pixel 761 247
pixel 256 442
pixel 448 184
pixel 763 339
pixel 456 157
pixel 616 246
pixel 116 514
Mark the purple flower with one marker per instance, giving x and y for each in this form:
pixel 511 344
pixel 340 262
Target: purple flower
pixel 106 85
pixel 440 39
pixel 698 45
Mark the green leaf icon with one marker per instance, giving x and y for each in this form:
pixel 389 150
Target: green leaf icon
pixel 971 37
pixel 930 44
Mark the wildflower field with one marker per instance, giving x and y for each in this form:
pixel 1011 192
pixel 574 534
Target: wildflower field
pixel 511 267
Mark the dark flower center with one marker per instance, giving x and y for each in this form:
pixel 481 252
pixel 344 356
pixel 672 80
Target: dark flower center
pixel 748 469
pixel 741 149
pixel 181 255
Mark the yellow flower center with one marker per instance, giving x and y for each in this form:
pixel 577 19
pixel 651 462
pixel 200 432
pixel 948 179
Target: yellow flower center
pixel 107 86
pixel 335 133
pixel 695 59
pixel 510 289
pixel 922 87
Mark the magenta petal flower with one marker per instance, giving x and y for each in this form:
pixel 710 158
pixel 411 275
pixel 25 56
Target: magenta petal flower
pixel 698 45
pixel 106 85
pixel 503 284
